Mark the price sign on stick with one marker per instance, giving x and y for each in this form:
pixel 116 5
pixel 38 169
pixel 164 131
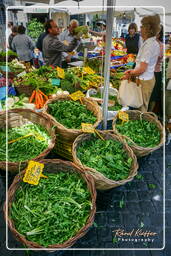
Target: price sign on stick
pixel 77 95
pixel 123 116
pixel 61 72
pixel 88 128
pixel 33 173
pixel 88 70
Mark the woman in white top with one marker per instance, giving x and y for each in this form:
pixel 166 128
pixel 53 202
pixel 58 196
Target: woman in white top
pixel 146 58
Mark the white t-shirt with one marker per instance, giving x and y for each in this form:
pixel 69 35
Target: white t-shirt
pixel 149 52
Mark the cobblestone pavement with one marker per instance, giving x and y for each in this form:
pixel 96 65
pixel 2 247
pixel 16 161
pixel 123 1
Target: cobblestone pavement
pixel 138 205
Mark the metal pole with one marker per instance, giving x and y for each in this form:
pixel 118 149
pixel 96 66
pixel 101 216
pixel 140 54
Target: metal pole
pixel 109 27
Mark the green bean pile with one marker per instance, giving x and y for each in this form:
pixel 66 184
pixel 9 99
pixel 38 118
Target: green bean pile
pixel 25 148
pixel 142 132
pixel 54 210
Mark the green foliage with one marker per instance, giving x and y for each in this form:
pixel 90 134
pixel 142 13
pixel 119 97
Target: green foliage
pixel 26 148
pixel 52 211
pixel 152 186
pixel 38 79
pixel 9 53
pixel 71 114
pixel 35 28
pixel 142 132
pixel 106 156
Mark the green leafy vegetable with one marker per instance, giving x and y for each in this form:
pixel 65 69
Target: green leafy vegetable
pixel 26 148
pixel 142 132
pixel 107 157
pixel 71 114
pixel 54 210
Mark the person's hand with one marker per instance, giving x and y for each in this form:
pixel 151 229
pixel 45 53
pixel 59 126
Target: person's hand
pixel 68 59
pixel 127 75
pixel 78 36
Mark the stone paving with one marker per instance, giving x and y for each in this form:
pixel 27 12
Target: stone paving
pixel 136 206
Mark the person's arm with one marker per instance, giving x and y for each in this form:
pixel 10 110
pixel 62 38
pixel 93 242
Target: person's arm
pixel 136 71
pixel 58 46
pixel 30 44
pixel 13 45
pixel 94 33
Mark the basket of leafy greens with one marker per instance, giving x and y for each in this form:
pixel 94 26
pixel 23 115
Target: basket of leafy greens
pixel 30 136
pixel 68 115
pixel 55 213
pixel 143 132
pixel 110 161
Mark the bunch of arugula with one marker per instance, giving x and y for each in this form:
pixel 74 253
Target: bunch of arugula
pixel 105 156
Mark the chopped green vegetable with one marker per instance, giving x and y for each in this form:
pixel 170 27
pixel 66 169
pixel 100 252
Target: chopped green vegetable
pixel 142 132
pixel 26 148
pixel 52 211
pixel 71 114
pixel 107 157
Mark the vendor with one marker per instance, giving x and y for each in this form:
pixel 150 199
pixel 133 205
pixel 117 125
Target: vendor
pixel 147 58
pixel 53 47
pixel 66 37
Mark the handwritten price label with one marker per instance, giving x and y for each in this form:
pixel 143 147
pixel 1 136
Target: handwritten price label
pixel 33 173
pixel 123 116
pixel 87 128
pixel 77 95
pixel 61 72
pixel 88 70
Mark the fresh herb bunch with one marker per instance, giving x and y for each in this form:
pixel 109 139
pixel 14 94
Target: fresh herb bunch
pixel 54 210
pixel 9 53
pixel 71 113
pixel 36 81
pixel 142 132
pixel 26 148
pixel 106 156
pixel 35 28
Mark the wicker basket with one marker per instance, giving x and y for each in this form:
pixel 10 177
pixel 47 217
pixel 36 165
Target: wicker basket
pixel 52 166
pixel 101 182
pixel 18 117
pixel 24 89
pixel 148 116
pixel 69 135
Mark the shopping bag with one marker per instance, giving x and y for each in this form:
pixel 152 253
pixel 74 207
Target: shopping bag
pixel 130 94
pixel 169 85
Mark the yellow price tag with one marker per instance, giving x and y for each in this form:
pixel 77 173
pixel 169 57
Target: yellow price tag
pixel 88 70
pixel 77 95
pixel 33 173
pixel 87 128
pixel 61 72
pixel 123 116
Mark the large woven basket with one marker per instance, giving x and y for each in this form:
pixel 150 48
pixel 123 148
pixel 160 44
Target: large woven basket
pixel 69 135
pixel 18 117
pixel 24 89
pixel 102 182
pixel 52 166
pixel 148 116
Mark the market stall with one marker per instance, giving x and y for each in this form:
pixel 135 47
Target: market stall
pixel 66 112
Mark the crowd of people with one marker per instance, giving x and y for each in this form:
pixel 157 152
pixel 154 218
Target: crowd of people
pixel 56 46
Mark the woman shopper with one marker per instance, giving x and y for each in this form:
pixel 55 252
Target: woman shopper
pixel 147 58
pixel 23 45
pixel 155 99
pixel 132 40
pixel 12 35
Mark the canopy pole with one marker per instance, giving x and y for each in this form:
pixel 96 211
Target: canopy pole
pixel 109 27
